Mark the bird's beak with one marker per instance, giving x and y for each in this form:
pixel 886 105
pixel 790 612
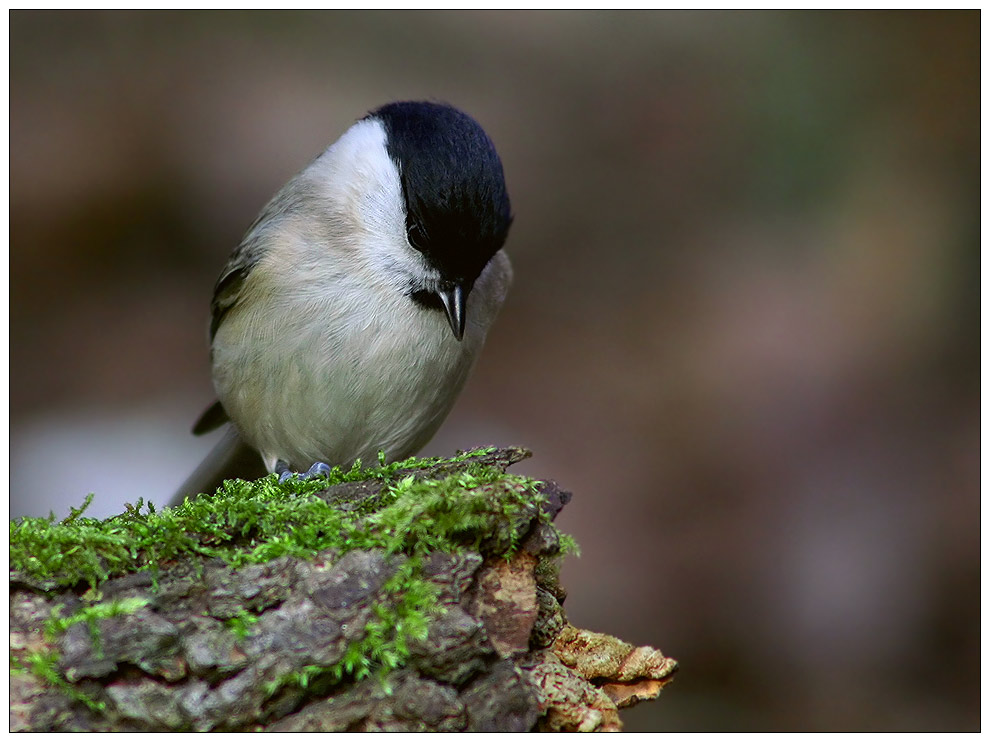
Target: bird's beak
pixel 454 298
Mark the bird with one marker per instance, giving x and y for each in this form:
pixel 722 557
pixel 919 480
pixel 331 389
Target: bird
pixel 348 318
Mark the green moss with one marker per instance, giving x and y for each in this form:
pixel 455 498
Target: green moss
pixel 240 625
pixel 385 644
pixel 255 522
pixel 91 615
pixel 44 665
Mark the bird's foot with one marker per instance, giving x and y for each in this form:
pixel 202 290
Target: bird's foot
pixel 319 469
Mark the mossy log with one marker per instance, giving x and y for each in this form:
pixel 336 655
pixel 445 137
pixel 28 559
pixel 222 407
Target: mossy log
pixel 420 596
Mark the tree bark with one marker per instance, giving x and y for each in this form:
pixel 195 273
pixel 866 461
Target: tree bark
pixel 199 645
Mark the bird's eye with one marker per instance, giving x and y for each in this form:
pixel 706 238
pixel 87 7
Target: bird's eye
pixel 416 235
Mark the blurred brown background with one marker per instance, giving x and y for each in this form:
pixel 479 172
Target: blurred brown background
pixel 744 328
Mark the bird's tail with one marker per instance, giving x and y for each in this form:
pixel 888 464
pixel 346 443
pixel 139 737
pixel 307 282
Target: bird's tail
pixel 231 458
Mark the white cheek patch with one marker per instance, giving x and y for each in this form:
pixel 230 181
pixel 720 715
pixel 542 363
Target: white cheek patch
pixel 356 176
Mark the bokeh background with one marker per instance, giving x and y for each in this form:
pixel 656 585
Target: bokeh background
pixel 744 328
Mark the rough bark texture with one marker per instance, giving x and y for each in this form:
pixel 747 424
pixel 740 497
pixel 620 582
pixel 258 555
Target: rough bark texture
pixel 499 656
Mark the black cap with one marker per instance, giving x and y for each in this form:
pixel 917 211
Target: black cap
pixel 457 207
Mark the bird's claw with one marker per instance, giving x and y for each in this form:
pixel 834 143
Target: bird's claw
pixel 319 469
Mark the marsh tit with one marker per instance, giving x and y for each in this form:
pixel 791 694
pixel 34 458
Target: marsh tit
pixel 347 320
